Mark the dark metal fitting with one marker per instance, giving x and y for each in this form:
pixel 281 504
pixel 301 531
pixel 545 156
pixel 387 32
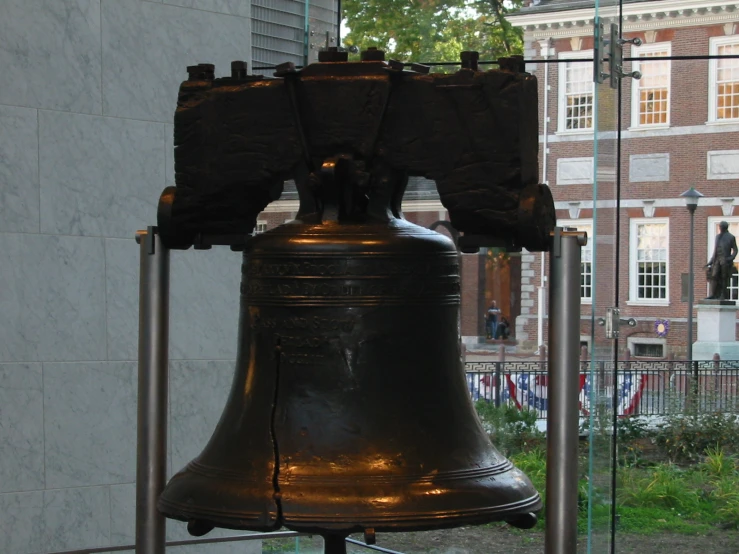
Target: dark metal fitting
pixel 372 54
pixel 396 65
pixel 333 54
pixel 238 70
pixel 514 64
pixel 198 528
pixel 195 73
pixel 284 69
pixel 420 68
pixel 469 59
pixel 200 243
pixel 209 70
pixel 369 536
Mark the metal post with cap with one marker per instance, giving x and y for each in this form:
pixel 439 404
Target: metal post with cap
pixel 691 202
pixel 153 377
pixel 564 390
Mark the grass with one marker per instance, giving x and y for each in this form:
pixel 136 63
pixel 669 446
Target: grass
pixel 663 498
pixel 695 497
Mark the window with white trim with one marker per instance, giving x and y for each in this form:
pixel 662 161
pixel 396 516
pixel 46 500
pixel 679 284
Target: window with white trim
pixel 649 260
pixel 586 258
pixel 260 228
pixel 713 230
pixel 646 347
pixel 650 98
pixel 575 92
pixel 723 80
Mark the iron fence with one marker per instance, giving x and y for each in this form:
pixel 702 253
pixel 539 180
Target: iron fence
pixel 642 387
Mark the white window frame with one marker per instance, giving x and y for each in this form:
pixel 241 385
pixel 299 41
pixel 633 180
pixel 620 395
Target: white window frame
pixel 633 275
pixel 587 251
pixel 631 343
pixel 260 227
pixel 712 231
pixel 713 46
pixel 637 85
pixel 561 92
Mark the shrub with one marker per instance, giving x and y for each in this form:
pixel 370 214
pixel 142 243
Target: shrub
pixel 685 437
pixel 511 430
pixel 717 463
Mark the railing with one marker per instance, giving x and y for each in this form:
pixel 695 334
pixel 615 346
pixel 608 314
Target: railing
pixel 643 387
pixel 236 538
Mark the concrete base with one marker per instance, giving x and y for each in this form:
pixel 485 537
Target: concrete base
pixel 716 330
pixel 706 350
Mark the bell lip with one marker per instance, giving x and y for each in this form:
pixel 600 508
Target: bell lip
pixel 392 522
pixel 228 519
pixel 425 521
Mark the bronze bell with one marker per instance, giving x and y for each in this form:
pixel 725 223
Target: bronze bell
pixel 349 409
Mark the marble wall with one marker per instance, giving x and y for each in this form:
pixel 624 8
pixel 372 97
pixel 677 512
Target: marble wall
pixel 86 106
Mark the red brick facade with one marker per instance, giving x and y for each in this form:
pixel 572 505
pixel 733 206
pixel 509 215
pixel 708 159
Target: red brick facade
pixel 687 140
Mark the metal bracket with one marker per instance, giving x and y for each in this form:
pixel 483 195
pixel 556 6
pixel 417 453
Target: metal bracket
pixel 615 55
pixel 613 322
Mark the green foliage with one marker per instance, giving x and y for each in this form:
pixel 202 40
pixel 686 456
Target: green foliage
pixel 686 437
pixel 718 463
pixel 662 487
pixel 649 521
pixel 432 30
pixel 534 464
pixel 632 427
pixel 511 430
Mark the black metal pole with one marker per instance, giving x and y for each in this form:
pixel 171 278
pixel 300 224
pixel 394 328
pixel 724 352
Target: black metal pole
pixel 691 209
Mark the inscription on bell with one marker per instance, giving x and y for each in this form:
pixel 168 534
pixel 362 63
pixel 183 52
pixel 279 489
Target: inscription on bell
pixel 351 267
pixel 259 287
pixel 315 323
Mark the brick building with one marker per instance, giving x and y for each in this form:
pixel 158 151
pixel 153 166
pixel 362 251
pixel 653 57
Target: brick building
pixel 679 129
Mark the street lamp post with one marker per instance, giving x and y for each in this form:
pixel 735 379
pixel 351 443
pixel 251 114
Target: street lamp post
pixel 691 202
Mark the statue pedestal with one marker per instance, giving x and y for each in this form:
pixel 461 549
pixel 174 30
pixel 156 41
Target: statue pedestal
pixel 716 330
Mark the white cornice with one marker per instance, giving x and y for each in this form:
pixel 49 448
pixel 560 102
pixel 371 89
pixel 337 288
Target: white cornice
pixel 639 203
pixel 637 16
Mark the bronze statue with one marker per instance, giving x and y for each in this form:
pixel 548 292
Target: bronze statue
pixel 721 265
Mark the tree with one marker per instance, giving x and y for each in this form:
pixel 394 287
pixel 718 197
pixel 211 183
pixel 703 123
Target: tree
pixel 432 30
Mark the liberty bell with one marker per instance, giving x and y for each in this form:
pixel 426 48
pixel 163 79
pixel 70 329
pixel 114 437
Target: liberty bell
pixel 349 410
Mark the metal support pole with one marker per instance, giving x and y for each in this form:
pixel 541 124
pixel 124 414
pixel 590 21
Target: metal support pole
pixel 564 390
pixel 151 464
pixel 690 286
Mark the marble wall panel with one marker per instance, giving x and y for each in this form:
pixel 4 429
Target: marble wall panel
pixel 148 46
pixel 52 298
pixel 575 171
pixel 50 54
pixel 645 168
pixel 90 423
pixel 123 514
pixel 19 188
pixel 233 7
pixel 723 164
pixel 198 393
pixel 204 303
pixel 100 176
pixel 53 520
pixel 122 297
pixel 22 428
